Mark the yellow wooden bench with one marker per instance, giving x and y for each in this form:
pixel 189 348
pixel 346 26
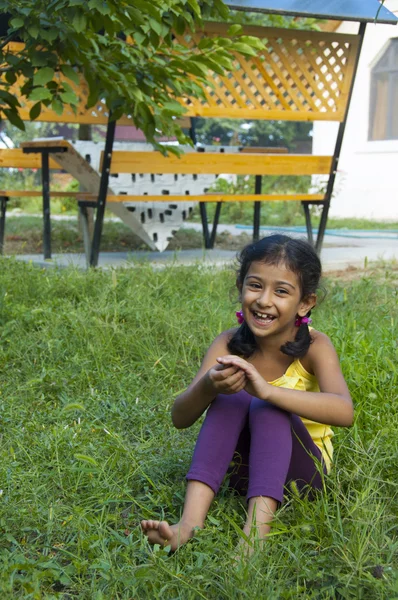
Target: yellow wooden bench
pixel 5 196
pixel 298 76
pixel 244 163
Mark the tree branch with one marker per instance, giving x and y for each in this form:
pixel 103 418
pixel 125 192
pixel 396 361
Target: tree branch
pixel 8 39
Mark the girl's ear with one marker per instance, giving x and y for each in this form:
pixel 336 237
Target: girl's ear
pixel 306 305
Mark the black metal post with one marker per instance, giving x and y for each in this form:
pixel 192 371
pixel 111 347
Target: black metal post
pixel 215 223
pixel 106 167
pixel 3 208
pixel 308 223
pixel 257 209
pixel 205 225
pixel 337 150
pixel 192 130
pixel 45 178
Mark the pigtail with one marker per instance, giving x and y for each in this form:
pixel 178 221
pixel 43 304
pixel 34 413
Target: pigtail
pixel 302 342
pixel 242 343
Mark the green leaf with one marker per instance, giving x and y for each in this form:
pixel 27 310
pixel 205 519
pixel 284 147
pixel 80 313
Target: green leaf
pixel 234 30
pixel 57 106
pixel 244 49
pixel 35 111
pixel 10 99
pixel 156 26
pixel 33 30
pixel 40 93
pixel 99 5
pixel 39 59
pixel 79 22
pixel 69 98
pixel 70 73
pixel 49 34
pixel 222 9
pixel 174 106
pixel 73 406
pixel 85 458
pixel 17 22
pixel 11 77
pixel 43 76
pixel 180 25
pixel 252 41
pixel 139 37
pixel 92 97
pixel 195 7
pixel 14 118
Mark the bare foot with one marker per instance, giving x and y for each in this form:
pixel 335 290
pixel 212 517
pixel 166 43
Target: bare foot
pixel 160 532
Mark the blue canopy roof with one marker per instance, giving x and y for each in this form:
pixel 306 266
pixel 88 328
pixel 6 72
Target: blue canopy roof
pixel 341 10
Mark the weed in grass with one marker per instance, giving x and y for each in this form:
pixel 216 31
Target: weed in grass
pixel 91 363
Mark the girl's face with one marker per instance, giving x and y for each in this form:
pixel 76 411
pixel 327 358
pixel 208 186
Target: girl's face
pixel 271 299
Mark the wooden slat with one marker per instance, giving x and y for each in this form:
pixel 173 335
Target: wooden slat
pixel 14 158
pixel 216 197
pixel 264 150
pixel 47 143
pixel 216 163
pixel 167 199
pixel 38 194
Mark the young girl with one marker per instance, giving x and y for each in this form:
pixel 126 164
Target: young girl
pixel 269 387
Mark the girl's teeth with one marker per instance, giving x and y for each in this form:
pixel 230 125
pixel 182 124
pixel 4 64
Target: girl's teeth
pixel 264 317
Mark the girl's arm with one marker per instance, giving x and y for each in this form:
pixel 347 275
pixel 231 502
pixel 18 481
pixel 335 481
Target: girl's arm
pixel 332 405
pixel 211 379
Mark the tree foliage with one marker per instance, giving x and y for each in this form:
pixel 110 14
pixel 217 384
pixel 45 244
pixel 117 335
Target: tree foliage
pixel 124 49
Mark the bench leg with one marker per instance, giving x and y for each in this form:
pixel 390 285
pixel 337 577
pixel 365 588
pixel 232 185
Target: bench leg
pixel 308 223
pixel 86 232
pixel 45 173
pixel 3 209
pixel 209 238
pixel 215 224
pixel 322 226
pixel 257 209
pixel 205 224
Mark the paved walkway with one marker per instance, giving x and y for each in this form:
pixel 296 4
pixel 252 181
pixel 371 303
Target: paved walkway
pixel 341 249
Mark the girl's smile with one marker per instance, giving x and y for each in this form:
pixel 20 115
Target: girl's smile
pixel 271 298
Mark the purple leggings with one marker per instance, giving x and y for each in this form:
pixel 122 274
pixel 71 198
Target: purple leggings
pixel 273 447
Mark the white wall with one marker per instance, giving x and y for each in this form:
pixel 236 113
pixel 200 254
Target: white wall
pixel 367 182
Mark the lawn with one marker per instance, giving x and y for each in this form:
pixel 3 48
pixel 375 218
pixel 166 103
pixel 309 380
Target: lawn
pixel 91 363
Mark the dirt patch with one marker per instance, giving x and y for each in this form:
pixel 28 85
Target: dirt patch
pixel 375 270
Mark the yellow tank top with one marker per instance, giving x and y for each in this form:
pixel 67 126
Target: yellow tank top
pixel 297 378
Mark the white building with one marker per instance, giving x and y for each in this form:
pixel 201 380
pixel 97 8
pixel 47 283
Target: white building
pixel 367 182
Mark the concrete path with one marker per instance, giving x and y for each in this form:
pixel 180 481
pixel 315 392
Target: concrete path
pixel 341 249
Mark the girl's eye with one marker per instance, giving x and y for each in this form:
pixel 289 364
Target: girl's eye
pixel 281 291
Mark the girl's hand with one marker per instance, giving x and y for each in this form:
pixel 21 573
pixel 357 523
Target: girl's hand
pixel 255 385
pixel 226 379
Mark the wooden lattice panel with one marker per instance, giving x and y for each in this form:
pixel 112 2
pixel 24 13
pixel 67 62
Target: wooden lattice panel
pixel 301 75
pixel 97 115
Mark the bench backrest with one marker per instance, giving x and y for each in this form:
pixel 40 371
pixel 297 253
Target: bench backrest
pixel 216 163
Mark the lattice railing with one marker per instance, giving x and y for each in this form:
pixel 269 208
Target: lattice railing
pixel 301 75
pixel 98 114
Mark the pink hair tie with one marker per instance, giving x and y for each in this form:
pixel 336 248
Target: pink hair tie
pixel 240 317
pixel 302 321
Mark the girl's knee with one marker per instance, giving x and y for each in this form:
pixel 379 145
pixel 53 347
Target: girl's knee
pixel 230 402
pixel 262 407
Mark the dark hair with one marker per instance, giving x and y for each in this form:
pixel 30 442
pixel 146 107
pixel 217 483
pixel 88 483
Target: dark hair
pixel 299 257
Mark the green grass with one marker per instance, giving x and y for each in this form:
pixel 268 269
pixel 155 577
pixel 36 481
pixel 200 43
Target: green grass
pixel 282 214
pixel 24 235
pixel 91 362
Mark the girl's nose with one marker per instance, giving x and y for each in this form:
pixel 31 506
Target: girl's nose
pixel 264 298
